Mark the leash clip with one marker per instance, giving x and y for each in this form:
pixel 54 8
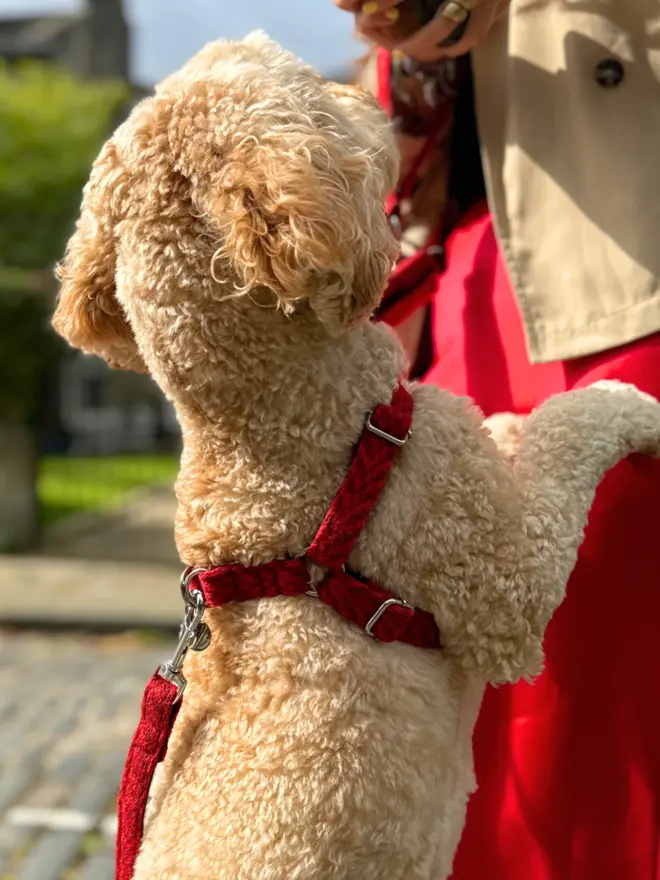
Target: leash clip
pixel 194 634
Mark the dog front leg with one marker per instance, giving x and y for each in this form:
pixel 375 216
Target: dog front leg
pixel 566 448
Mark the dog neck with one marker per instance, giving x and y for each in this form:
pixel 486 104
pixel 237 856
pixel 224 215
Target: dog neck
pixel 269 434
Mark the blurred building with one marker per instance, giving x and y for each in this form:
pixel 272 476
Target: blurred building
pixel 92 43
pixel 93 410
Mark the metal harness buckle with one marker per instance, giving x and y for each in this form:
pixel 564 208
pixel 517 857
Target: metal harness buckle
pixel 398 441
pixel 388 603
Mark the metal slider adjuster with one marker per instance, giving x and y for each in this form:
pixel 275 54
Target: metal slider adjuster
pixel 398 441
pixel 388 603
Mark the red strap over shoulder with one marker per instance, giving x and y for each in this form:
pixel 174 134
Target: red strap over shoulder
pixel 384 80
pixel 415 279
pixel 413 283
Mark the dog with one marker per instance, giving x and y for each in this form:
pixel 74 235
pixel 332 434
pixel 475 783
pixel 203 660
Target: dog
pixel 232 243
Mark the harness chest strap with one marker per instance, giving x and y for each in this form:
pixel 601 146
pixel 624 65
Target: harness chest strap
pixel 379 613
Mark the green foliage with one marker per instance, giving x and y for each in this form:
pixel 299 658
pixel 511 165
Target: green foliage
pixel 51 128
pixel 27 348
pixel 74 485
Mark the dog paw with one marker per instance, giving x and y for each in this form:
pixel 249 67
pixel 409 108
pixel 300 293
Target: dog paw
pixel 613 386
pixel 506 431
pixel 641 412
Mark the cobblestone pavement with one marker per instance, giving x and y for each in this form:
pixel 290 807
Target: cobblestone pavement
pixel 68 708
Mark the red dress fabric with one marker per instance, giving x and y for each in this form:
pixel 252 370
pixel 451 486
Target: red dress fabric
pixel 568 768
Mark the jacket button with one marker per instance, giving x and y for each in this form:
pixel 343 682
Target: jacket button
pixel 609 73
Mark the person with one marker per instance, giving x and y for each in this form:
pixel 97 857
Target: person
pixel 538 184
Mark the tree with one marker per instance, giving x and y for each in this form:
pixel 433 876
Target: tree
pixel 51 127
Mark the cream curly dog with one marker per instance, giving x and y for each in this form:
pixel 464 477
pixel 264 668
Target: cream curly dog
pixel 233 243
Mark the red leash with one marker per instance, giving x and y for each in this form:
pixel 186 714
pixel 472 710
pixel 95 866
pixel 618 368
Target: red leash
pixel 414 279
pixel 160 706
pixel 366 604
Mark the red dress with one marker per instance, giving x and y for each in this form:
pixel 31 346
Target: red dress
pixel 568 768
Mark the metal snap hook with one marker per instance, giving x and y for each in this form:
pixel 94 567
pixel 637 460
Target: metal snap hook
pixel 187 578
pixel 194 634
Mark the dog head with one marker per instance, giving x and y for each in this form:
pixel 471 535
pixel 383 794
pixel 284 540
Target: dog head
pixel 245 177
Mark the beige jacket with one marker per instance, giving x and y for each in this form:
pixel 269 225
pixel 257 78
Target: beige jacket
pixel 568 107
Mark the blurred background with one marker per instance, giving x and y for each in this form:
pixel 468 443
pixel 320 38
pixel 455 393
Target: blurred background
pixel 88 571
pixel 76 437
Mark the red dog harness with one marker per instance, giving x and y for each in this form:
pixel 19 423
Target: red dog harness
pixel 381 615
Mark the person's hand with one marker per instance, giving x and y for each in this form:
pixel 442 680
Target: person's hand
pixel 376 21
pixel 425 44
pixel 379 21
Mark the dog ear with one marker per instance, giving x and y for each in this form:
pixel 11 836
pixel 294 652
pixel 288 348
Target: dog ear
pixel 88 314
pixel 296 195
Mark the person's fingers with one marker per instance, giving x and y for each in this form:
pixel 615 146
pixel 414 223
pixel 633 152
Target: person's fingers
pixel 373 17
pixel 367 8
pixel 376 22
pixel 424 44
pixel 479 26
pixel 375 7
pixel 377 14
pixel 379 21
pixel 475 33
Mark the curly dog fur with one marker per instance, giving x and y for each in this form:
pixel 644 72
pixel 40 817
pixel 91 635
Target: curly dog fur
pixel 233 243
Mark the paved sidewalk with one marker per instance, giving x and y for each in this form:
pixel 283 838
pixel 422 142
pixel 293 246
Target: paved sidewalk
pixel 68 709
pixel 98 595
pixel 113 570
pixel 142 530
